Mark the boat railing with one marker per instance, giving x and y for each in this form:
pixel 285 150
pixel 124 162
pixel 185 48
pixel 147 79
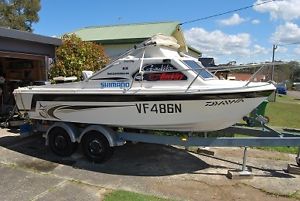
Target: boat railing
pixel 251 79
pixel 262 66
pixel 140 46
pixel 192 82
pixel 261 69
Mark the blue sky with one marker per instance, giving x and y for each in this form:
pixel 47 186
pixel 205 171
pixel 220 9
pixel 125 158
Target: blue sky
pixel 245 36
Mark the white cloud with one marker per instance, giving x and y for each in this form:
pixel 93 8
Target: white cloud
pixel 226 47
pixel 255 21
pixel 257 49
pixel 235 19
pixel 287 9
pixel 297 50
pixel 281 49
pixel 217 42
pixel 287 33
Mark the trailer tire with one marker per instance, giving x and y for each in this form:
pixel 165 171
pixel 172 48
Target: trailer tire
pixel 96 147
pixel 60 142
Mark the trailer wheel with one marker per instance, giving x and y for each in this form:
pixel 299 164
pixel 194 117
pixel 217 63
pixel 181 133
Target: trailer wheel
pixel 60 142
pixel 96 147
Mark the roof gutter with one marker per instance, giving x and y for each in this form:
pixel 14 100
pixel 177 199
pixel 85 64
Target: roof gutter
pixel 27 36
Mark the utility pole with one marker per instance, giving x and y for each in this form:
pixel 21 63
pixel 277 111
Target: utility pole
pixel 272 98
pixel 273 59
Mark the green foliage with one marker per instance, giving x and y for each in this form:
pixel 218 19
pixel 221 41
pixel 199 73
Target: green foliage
pixel 295 68
pixel 19 14
pixel 75 55
pixel 285 72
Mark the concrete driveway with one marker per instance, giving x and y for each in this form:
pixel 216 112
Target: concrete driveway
pixel 295 94
pixel 29 171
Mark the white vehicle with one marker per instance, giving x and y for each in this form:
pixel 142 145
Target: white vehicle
pixel 152 86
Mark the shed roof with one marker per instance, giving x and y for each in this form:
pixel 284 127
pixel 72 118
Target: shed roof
pixel 27 36
pixel 126 32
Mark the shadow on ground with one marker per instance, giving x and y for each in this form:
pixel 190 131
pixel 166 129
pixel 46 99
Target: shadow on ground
pixel 131 159
pixel 280 173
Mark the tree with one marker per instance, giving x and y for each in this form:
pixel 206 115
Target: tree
pixel 75 55
pixel 295 74
pixel 19 14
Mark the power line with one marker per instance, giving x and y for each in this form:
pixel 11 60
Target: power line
pixel 286 44
pixel 227 12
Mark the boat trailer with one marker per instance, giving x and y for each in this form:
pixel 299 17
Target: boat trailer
pixel 100 137
pixel 264 136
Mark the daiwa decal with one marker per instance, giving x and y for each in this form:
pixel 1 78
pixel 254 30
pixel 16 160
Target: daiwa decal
pixel 169 108
pixel 121 85
pixel 223 102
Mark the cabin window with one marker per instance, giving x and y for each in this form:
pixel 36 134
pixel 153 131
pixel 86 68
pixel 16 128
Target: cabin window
pixel 159 72
pixel 198 69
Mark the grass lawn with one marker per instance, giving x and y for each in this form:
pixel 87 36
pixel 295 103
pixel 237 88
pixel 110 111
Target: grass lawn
pixel 129 196
pixel 291 150
pixel 285 112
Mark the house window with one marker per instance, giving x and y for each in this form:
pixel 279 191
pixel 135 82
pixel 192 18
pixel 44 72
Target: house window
pixel 160 72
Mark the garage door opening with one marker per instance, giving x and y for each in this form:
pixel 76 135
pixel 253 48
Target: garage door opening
pixel 18 70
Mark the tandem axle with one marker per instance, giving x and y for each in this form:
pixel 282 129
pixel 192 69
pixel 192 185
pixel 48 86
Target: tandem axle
pixel 98 141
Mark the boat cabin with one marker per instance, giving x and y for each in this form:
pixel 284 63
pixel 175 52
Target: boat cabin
pixel 152 66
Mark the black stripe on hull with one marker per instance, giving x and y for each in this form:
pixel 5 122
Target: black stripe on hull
pixel 51 111
pixel 143 98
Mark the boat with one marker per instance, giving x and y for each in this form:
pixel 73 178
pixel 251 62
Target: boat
pixel 152 86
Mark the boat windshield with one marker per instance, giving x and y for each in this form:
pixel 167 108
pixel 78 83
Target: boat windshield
pixel 198 69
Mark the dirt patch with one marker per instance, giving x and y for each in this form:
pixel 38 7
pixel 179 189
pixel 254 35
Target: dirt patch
pixel 253 153
pixel 195 190
pixel 37 165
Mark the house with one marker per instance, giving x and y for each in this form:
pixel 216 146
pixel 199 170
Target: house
pixel 209 63
pixel 246 77
pixel 24 60
pixel 116 39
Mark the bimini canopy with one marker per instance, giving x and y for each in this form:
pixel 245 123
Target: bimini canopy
pixel 163 40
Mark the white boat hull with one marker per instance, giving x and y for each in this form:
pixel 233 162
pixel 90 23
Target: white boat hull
pixel 182 115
